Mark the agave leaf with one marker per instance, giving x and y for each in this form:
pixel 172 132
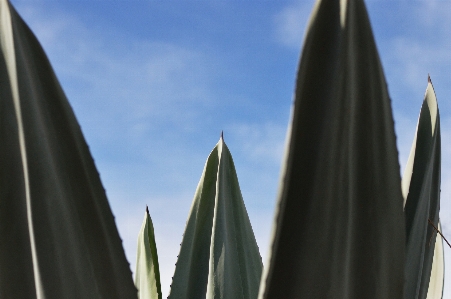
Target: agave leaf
pixel 436 282
pixel 421 185
pixel 147 276
pixel 339 226
pixel 58 235
pixel 219 256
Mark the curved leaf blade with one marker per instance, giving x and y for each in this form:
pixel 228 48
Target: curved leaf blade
pixel 339 224
pixel 219 256
pixel 423 198
pixel 147 275
pixel 59 238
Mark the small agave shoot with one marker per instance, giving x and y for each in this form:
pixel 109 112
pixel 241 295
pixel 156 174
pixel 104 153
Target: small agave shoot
pixel 147 275
pixel 424 269
pixel 219 256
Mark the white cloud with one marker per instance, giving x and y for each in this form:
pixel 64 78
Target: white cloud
pixel 290 23
pixel 416 40
pixel 415 59
pixel 432 13
pixel 260 142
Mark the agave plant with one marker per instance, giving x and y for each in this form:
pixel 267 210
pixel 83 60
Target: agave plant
pixel 340 231
pixel 340 185
pixel 147 275
pixel 421 191
pixel 346 226
pixel 58 235
pixel 219 256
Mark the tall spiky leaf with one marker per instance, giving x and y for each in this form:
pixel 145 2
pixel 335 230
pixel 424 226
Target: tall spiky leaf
pixel 147 275
pixel 58 238
pixel 219 256
pixel 421 189
pixel 339 226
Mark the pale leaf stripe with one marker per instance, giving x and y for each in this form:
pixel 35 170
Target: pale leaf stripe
pixel 7 46
pixel 435 290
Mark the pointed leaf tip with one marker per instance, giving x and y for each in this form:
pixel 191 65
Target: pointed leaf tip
pixel 222 135
pixel 219 255
pixel 421 184
pixel 35 104
pixel 147 274
pixel 325 166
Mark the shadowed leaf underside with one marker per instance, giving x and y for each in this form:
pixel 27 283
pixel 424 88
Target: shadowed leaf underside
pixel 339 226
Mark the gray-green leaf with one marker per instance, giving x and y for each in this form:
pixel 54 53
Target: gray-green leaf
pixel 58 237
pixel 147 276
pixel 219 256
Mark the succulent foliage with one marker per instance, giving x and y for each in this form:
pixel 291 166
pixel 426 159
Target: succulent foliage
pixel 421 190
pixel 58 237
pixel 219 256
pixel 346 225
pixel 147 275
pixel 339 226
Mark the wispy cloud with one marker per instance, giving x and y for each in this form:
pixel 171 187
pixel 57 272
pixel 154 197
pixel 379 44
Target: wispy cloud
pixel 260 142
pixel 290 23
pixel 416 40
pixel 129 81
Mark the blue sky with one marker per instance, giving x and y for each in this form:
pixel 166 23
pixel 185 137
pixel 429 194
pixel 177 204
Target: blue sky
pixel 153 83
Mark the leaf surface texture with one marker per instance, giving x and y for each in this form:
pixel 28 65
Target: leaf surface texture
pixel 58 234
pixel 219 256
pixel 339 226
